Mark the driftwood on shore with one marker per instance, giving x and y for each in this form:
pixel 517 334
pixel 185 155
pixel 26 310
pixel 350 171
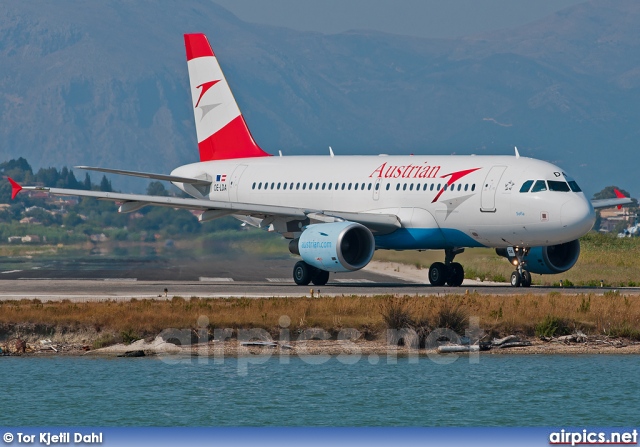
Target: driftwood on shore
pixel 510 341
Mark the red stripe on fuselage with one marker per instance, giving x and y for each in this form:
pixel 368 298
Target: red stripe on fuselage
pixel 232 141
pixel 197 45
pixel 454 177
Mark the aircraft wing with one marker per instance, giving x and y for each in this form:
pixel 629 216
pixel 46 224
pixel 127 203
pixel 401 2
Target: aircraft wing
pixel 378 223
pixel 169 178
pixel 609 203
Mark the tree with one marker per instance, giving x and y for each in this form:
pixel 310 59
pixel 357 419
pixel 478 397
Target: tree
pixel 157 189
pixel 105 184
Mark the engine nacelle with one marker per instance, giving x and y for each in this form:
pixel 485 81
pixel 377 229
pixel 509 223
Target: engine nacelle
pixel 335 247
pixel 549 260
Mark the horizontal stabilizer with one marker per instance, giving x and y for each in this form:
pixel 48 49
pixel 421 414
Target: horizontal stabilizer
pixel 168 178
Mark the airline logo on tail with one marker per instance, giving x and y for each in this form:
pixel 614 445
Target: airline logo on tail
pixel 221 129
pixel 206 86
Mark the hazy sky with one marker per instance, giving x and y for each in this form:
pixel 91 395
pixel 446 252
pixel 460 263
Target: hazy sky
pixel 424 18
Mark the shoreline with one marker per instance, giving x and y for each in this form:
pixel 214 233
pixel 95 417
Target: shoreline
pixel 353 350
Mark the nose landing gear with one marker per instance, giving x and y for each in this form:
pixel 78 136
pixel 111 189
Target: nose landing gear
pixel 520 276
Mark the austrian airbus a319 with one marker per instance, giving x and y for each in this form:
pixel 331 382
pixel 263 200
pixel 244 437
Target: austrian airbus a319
pixel 337 210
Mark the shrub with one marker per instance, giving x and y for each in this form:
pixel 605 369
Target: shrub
pixel 625 331
pixel 395 313
pixel 552 326
pixel 452 317
pixel 585 306
pixel 129 336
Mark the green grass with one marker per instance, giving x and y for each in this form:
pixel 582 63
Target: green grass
pixel 603 258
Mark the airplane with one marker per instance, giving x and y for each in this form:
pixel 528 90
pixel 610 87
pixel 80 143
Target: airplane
pixel 337 210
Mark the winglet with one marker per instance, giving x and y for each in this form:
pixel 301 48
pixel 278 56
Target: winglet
pixel 15 188
pixel 517 153
pixel 619 195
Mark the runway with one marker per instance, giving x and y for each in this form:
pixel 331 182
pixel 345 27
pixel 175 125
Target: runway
pixel 98 278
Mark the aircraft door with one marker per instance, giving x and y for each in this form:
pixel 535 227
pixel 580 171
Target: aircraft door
pixel 235 182
pixel 376 189
pixel 489 188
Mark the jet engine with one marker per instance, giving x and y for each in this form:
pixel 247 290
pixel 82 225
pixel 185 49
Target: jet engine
pixel 335 247
pixel 549 260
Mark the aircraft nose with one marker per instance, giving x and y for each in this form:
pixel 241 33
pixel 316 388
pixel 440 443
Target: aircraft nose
pixel 577 214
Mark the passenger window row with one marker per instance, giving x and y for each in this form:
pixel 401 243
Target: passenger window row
pixel 359 186
pixel 311 186
pixel 551 185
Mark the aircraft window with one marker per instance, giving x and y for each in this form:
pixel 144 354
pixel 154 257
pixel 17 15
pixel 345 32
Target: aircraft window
pixel 473 187
pixel 555 185
pixel 459 187
pixel 273 185
pixel 424 188
pixel 330 185
pixel 411 187
pixel 378 186
pixel 446 186
pixel 304 186
pixel 298 185
pixel 540 185
pixel 284 185
pixel 253 186
pixel 260 185
pixel 526 186
pixel 433 185
pixel 466 186
pixel 398 187
pixel 388 186
pixel 324 185
pixel 291 185
pixel 343 186
pixel 404 187
pixel 349 188
pixel 279 185
pixel 369 188
pixel 356 187
pixel 574 186
pixel 362 188
pixel 317 185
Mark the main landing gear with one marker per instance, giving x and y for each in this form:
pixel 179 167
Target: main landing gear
pixel 520 276
pixel 304 273
pixel 449 272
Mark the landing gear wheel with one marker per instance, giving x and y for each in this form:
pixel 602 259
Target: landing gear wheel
pixel 302 273
pixel 438 274
pixel 526 279
pixel 516 279
pixel 320 278
pixel 456 275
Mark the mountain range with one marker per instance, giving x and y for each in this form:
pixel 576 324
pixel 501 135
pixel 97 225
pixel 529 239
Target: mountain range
pixel 105 84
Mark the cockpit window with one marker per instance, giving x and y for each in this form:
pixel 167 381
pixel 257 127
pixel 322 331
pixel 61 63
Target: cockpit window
pixel 526 186
pixel 540 185
pixel 555 185
pixel 574 186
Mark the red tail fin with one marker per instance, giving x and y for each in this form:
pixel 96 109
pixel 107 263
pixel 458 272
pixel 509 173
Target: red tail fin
pixel 221 128
pixel 619 195
pixel 15 188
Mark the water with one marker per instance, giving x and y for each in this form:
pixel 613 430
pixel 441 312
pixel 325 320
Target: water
pixel 499 390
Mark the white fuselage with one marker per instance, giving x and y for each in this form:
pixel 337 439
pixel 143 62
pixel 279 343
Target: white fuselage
pixel 481 206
